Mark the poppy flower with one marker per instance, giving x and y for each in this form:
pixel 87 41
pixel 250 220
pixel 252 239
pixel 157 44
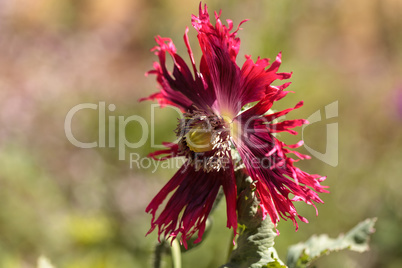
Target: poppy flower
pixel 226 116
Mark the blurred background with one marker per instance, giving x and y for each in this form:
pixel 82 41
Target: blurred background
pixel 85 207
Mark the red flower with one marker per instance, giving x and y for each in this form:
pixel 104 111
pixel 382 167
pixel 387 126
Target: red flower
pixel 216 128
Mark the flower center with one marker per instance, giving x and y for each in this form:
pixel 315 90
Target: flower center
pixel 199 138
pixel 205 140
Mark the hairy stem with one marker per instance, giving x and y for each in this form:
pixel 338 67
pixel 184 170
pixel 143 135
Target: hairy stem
pixel 160 249
pixel 256 235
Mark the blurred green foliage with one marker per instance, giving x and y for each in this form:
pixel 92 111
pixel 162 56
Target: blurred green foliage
pixel 85 207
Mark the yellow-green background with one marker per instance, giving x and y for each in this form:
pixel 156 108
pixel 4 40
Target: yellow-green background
pixel 85 208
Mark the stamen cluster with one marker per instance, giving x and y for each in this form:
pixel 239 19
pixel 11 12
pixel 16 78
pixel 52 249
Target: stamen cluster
pixel 205 141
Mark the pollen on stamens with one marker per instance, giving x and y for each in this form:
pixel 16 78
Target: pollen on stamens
pixel 205 141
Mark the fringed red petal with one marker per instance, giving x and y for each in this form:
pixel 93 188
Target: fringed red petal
pixel 172 151
pixel 267 162
pixel 167 96
pixel 256 80
pixel 188 208
pixel 219 34
pixel 184 89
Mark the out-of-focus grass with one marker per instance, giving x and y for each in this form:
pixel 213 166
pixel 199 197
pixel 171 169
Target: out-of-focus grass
pixel 85 207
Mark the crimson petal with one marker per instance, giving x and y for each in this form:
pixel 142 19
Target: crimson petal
pixel 194 194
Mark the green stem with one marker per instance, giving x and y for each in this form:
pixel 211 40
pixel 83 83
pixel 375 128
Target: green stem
pixel 230 248
pixel 256 236
pixel 163 248
pixel 160 249
pixel 176 254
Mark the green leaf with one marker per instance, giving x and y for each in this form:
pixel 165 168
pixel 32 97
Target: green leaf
pixel 274 264
pixel 302 254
